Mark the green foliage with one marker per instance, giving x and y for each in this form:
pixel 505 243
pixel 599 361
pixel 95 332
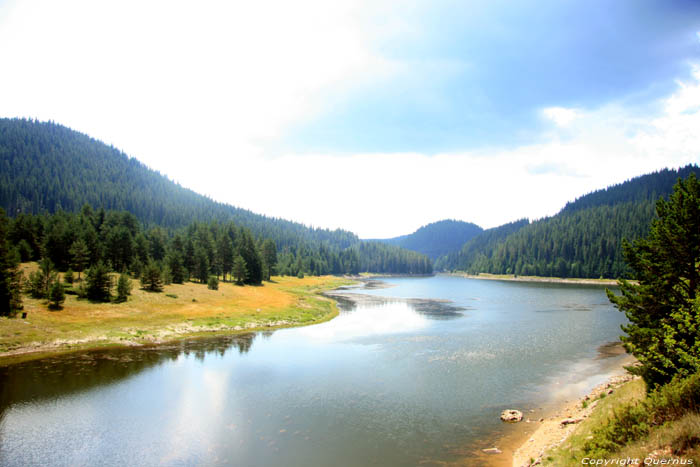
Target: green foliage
pixel 175 265
pixel 98 286
pixel 57 296
pixel 583 240
pixel 633 421
pixel 36 284
pixel 663 307
pixel 213 283
pixel 152 277
pixel 93 174
pixel 80 256
pixel 68 277
pixel 437 239
pixel 10 276
pixel 124 286
pixel 269 258
pixel 240 270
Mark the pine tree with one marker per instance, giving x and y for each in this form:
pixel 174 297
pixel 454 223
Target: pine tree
pixel 175 264
pixel 80 256
pixel 240 270
pixel 201 265
pixel 123 288
pixel 213 283
pixel 10 277
pixel 269 257
pixel 56 296
pixel 152 277
pixel 664 307
pixel 99 283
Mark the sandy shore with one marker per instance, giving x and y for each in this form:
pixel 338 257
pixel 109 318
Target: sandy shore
pixel 555 429
pixel 548 280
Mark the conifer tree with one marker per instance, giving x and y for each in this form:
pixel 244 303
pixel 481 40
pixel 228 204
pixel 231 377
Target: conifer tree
pixel 56 296
pixel 99 283
pixel 80 256
pixel 123 288
pixel 664 307
pixel 10 277
pixel 152 277
pixel 240 270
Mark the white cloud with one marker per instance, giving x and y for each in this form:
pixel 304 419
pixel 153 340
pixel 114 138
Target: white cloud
pixel 198 90
pixel 561 116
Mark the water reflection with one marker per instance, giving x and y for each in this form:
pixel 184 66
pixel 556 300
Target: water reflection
pixel 388 382
pixel 72 373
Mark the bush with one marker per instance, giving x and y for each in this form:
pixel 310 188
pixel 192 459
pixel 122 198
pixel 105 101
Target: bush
pixel 213 283
pixel 68 277
pixel 633 421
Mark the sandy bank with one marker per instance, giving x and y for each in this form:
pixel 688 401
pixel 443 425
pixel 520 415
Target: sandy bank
pixel 549 280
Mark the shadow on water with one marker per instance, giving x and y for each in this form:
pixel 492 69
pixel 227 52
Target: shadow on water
pixel 51 377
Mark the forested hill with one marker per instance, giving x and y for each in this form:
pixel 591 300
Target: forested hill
pixel 47 169
pixel 437 239
pixel 583 240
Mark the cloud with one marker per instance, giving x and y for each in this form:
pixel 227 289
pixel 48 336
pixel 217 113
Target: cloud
pixel 561 116
pixel 387 194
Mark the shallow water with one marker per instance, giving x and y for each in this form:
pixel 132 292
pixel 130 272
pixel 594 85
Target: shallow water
pixel 385 383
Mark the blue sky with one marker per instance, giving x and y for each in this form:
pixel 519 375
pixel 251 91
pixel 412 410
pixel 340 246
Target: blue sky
pixel 373 116
pixel 477 73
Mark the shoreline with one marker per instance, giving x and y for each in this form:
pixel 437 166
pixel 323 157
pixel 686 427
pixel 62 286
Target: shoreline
pixel 546 280
pixel 563 417
pixel 203 320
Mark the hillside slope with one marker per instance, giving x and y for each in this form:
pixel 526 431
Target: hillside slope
pixel 583 240
pixel 47 169
pixel 437 239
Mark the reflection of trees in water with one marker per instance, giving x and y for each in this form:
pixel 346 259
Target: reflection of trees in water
pixel 73 373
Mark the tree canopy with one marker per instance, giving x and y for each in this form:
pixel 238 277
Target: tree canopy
pixel 664 307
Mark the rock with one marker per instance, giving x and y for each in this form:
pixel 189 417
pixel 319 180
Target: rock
pixel 492 451
pixel 511 415
pixel 570 421
pixel 541 419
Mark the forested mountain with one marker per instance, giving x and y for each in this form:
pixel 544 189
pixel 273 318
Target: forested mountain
pixel 437 239
pixel 46 169
pixel 474 248
pixel 583 240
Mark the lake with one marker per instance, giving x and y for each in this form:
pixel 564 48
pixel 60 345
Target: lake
pixel 388 382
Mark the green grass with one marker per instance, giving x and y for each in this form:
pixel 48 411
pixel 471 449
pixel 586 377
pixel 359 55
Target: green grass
pixel 664 424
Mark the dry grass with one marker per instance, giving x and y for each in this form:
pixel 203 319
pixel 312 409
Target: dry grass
pixel 181 310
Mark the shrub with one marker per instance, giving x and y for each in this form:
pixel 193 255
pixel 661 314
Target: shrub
pixel 68 277
pixel 213 283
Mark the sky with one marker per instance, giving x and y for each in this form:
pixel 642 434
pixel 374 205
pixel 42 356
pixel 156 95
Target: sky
pixel 377 116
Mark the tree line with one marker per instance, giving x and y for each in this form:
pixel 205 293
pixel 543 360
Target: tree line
pixel 583 240
pixel 97 242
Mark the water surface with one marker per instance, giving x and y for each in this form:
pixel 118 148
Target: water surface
pixel 385 383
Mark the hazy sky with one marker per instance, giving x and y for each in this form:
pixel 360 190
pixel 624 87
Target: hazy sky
pixel 377 117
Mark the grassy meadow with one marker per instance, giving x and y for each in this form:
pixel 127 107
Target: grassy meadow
pixel 181 310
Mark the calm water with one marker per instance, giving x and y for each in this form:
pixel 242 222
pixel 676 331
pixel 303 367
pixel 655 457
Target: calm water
pixel 392 383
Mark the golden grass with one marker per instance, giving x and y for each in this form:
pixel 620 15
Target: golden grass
pixel 149 317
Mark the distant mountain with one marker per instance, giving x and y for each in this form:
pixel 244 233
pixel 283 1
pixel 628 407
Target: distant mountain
pixel 46 168
pixel 583 240
pixel 437 239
